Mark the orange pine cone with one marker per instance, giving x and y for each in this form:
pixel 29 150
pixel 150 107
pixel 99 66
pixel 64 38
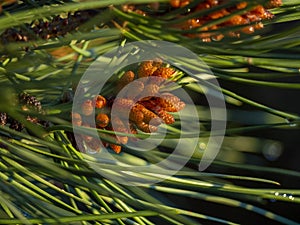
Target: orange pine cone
pixel 167 118
pixel 102 120
pixel 164 72
pixel 123 103
pixel 127 77
pixel 149 90
pixel 146 69
pixel 241 5
pixel 255 15
pixel 133 130
pixel 149 116
pixel 119 126
pixel 179 3
pixel 147 128
pixel 117 148
pixel 157 62
pixel 135 89
pixel 169 103
pixel 76 119
pixel 100 102
pixel 94 144
pixel 159 111
pixel 136 115
pixel 87 107
pixel 273 4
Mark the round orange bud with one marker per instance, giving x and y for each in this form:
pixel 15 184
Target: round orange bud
pixel 94 144
pixel 136 115
pixel 122 139
pixel 76 119
pixel 175 3
pixel 135 89
pixel 100 102
pixel 149 90
pixel 87 107
pixel 127 78
pixel 86 138
pixel 116 148
pixel 164 72
pixel 146 69
pixel 241 5
pixel 102 120
pixel 147 128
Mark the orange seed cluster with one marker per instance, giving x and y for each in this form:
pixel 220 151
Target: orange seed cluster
pixel 58 26
pixel 143 109
pixel 253 17
pixel 148 108
pixel 248 20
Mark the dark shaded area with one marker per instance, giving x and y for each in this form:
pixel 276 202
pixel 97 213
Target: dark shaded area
pixel 285 100
pixel 282 99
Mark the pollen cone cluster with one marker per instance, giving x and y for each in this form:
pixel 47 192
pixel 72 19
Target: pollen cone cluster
pixel 141 106
pixel 56 27
pixel 249 20
pixel 26 103
pixel 242 18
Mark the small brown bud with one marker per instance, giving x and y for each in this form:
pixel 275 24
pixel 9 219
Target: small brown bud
pixel 166 117
pixel 102 120
pixel 127 78
pixel 273 4
pixel 117 148
pixel 100 102
pixel 122 139
pixel 157 62
pixel 123 103
pixel 136 115
pixel 175 3
pixel 241 5
pixel 164 72
pixel 94 144
pixel 149 90
pixel 87 107
pixel 134 89
pixel 169 102
pixel 149 116
pixel 236 20
pixel 146 69
pixel 86 138
pixel 133 130
pixel 76 119
pixel 147 128
pixel 119 126
pixel 179 3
